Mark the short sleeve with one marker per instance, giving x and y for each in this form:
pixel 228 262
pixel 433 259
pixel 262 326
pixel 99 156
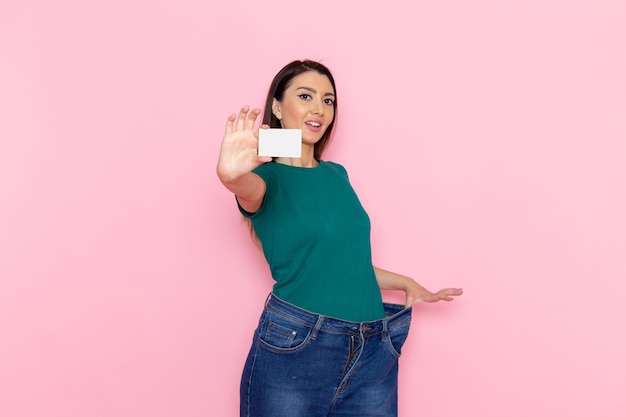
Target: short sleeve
pixel 339 169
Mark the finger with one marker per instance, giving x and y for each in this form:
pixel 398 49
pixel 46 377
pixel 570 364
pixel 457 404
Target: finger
pixel 448 294
pixel 241 118
pixel 454 291
pixel 249 125
pixel 263 126
pixel 229 123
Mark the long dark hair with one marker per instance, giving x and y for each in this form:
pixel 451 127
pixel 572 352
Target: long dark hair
pixel 282 81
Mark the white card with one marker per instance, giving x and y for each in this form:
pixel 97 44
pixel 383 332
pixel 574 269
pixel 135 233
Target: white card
pixel 280 142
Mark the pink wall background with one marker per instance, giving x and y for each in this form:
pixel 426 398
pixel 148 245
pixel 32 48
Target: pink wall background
pixel 486 139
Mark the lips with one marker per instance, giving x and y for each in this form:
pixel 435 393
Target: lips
pixel 314 125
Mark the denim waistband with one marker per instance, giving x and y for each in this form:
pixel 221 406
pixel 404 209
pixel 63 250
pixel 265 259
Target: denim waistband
pixel 395 315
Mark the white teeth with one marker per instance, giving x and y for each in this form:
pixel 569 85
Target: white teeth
pixel 313 124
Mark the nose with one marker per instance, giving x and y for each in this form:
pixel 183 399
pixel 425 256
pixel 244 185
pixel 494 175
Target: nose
pixel 317 107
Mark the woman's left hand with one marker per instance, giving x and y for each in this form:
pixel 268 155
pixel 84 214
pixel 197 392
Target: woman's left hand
pixel 417 293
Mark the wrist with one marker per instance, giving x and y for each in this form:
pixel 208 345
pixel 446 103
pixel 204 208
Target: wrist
pixel 409 284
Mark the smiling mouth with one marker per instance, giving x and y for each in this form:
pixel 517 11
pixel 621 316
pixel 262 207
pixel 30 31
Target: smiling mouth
pixel 314 124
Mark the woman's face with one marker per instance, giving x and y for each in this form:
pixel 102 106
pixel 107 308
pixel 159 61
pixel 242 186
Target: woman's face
pixel 307 104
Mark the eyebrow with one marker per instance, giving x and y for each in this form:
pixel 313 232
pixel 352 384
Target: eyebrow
pixel 312 90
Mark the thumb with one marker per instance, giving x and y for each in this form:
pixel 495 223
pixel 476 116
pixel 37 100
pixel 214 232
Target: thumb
pixel 409 301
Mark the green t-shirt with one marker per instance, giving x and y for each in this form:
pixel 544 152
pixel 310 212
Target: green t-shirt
pixel 316 238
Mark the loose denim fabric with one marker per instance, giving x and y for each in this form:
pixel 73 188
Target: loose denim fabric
pixel 302 364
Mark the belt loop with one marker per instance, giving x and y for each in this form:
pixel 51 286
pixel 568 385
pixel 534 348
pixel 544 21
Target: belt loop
pixel 318 325
pixel 385 328
pixel 267 300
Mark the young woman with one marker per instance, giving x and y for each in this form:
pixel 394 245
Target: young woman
pixel 326 344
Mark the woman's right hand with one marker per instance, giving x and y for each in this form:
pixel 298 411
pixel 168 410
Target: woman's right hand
pixel 238 154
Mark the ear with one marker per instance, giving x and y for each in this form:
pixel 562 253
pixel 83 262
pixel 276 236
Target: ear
pixel 276 109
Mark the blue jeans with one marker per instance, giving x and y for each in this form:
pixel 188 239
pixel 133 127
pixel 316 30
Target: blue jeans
pixel 302 364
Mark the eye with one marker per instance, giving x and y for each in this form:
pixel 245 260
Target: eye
pixel 329 101
pixel 305 96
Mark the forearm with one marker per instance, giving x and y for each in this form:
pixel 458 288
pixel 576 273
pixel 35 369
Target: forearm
pixel 388 280
pixel 247 187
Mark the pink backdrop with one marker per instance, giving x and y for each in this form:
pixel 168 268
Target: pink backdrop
pixel 486 139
